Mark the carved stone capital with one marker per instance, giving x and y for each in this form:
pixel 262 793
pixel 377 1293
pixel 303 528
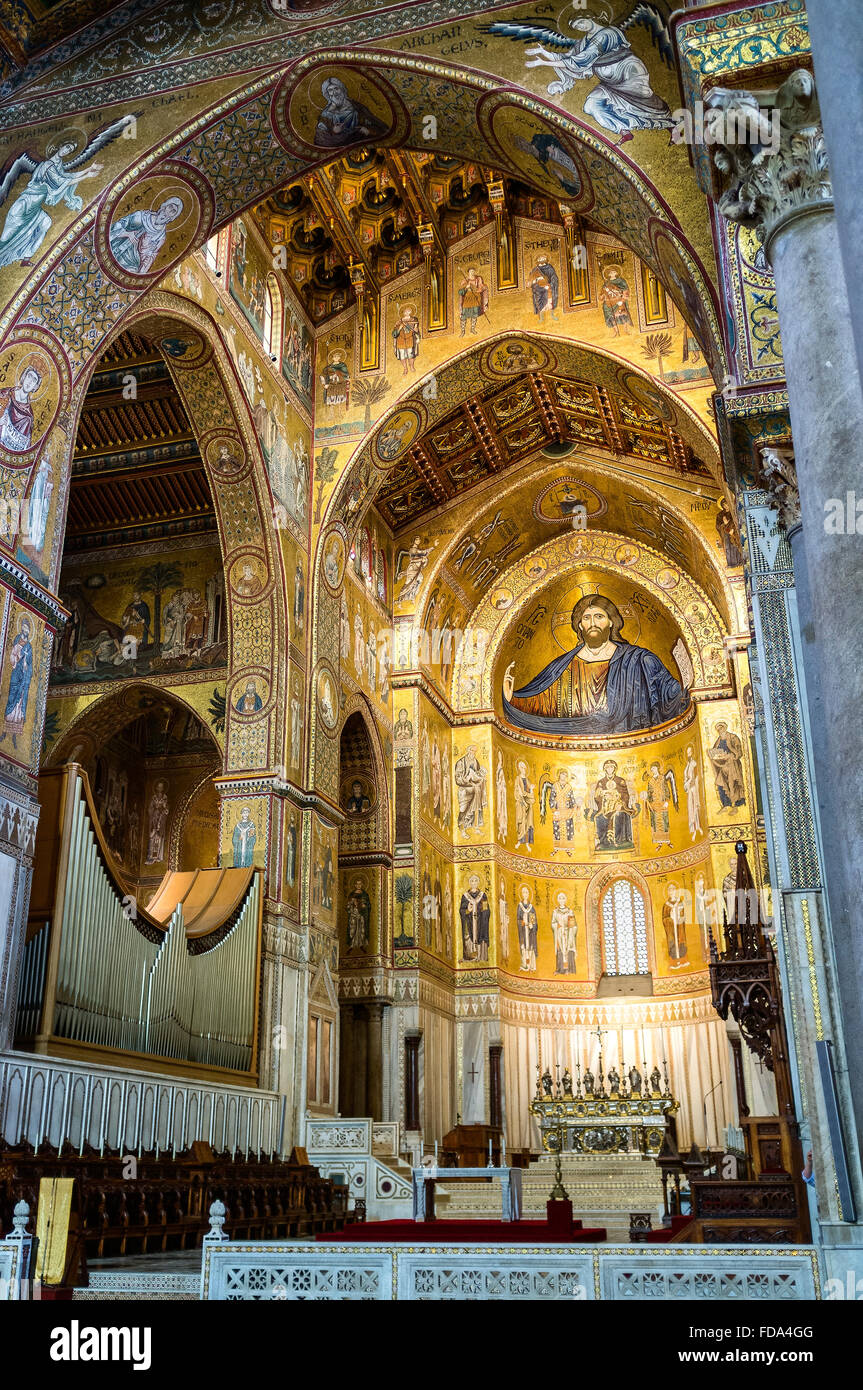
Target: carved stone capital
pixel 769 153
pixel 779 477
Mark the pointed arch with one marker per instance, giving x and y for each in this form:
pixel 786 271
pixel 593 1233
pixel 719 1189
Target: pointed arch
pixel 359 708
pixel 110 713
pixel 208 385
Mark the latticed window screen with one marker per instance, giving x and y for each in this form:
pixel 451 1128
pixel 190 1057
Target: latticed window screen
pixel 624 929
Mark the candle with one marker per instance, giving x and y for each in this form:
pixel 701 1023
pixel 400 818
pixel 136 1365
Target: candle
pixel 489 1150
pixel 435 1151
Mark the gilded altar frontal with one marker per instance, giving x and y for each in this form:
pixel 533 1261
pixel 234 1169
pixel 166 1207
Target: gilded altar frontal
pixel 431 787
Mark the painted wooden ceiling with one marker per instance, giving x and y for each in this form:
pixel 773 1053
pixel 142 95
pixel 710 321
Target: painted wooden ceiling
pixel 491 431
pixel 381 210
pixel 136 472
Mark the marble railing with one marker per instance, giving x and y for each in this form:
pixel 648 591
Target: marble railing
pixel 238 1271
pixel 47 1101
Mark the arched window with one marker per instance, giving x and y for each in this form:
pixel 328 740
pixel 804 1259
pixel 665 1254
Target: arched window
pixel 211 253
pixel 268 320
pixel 382 576
pixel 273 319
pixel 367 553
pixel 624 929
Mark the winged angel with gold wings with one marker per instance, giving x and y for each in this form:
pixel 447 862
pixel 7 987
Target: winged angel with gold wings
pixel 623 99
pixel 52 180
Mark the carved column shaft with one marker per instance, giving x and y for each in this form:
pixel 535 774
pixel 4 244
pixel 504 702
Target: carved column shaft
pixel 739 1081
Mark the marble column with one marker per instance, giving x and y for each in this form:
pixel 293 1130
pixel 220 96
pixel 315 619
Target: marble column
pixel 826 407
pixel 836 32
pixel 787 757
pixel 346 1050
pixel 360 1096
pixel 785 193
pixel 375 1061
pixel 412 1081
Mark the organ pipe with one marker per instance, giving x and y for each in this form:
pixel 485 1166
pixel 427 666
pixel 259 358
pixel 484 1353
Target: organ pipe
pixel 107 973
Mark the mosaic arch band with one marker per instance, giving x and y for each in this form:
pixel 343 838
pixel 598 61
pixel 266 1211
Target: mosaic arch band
pixel 604 685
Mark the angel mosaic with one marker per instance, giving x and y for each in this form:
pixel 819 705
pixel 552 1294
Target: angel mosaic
pixel 660 794
pixel 53 180
pixel 623 99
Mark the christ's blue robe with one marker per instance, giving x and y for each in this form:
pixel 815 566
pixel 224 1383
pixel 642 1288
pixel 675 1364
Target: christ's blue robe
pixel 640 693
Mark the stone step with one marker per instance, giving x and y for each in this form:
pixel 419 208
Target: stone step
pixel 600 1188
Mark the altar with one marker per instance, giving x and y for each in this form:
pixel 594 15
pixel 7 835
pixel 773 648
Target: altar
pixel 605 1116
pixel 424 1179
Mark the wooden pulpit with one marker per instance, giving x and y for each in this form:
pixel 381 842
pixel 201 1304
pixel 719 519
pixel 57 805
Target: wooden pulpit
pixel 466 1146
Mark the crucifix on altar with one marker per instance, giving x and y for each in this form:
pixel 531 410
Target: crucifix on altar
pixel 599 1033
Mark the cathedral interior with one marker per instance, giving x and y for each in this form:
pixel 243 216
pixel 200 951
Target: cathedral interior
pixel 428 450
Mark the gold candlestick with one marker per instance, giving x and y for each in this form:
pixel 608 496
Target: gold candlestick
pixel 559 1192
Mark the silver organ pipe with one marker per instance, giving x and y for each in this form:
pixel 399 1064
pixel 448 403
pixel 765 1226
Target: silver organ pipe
pixel 31 988
pixel 103 954
pixel 216 996
pixel 130 982
pixel 166 993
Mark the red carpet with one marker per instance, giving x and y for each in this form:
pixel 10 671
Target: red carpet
pixel 666 1233
pixel 463 1232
